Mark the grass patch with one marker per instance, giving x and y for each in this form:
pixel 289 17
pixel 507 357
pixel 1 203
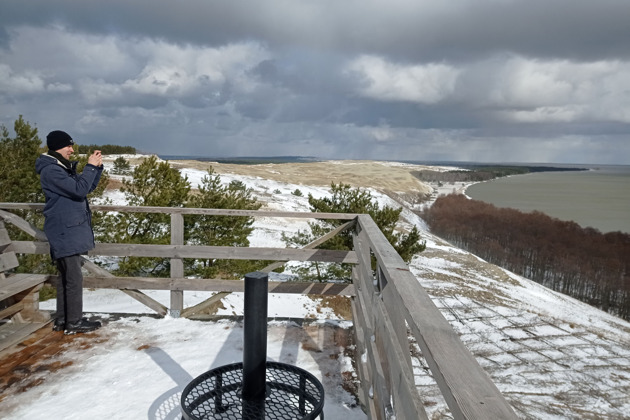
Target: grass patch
pixel 339 304
pixel 47 292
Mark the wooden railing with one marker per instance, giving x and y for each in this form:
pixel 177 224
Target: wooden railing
pixel 177 251
pixel 389 305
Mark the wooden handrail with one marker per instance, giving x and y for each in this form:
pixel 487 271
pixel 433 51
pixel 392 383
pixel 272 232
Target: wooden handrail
pixel 195 211
pixel 200 252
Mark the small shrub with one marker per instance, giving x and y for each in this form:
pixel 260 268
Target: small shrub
pixel 121 166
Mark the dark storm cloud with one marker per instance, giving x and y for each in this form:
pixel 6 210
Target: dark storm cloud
pixel 330 78
pixel 418 30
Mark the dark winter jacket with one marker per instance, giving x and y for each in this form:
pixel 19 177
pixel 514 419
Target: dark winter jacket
pixel 68 219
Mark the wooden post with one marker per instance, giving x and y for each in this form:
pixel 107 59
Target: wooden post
pixel 177 264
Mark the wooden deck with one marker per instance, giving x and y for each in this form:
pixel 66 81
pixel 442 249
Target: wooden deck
pixel 34 354
pixel 15 333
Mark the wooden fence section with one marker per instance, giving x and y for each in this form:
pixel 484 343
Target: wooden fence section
pixel 388 305
pixel 176 252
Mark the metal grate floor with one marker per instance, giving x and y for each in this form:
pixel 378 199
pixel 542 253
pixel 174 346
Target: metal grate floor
pixel 292 393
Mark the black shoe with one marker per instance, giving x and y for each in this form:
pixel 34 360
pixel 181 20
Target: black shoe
pixel 81 326
pixel 59 325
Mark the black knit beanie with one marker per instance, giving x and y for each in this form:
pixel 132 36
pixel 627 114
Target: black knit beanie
pixel 58 139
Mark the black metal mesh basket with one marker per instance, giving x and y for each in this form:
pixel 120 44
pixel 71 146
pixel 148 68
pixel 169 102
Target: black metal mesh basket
pixel 292 393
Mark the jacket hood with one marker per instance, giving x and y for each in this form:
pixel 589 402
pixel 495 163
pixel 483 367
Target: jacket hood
pixel 45 160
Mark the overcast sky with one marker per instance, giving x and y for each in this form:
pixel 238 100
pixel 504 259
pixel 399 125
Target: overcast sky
pixel 457 80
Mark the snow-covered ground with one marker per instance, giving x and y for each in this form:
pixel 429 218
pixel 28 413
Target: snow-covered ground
pixel 551 356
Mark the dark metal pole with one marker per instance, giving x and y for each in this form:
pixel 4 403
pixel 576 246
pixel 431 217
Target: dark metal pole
pixel 255 336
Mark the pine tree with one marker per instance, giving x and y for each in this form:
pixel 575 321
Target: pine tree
pixel 345 199
pixel 121 166
pixel 153 183
pixel 220 230
pixel 19 183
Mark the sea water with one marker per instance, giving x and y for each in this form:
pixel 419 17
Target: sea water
pixel 597 198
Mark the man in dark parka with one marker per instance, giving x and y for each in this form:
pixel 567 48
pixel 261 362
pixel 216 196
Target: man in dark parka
pixel 68 224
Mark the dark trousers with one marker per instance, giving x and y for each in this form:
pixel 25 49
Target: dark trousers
pixel 70 289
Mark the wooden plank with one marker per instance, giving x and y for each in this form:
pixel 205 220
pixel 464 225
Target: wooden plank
pixel 182 210
pixel 215 285
pixel 380 394
pixel 364 274
pixel 225 212
pixel 365 279
pixel 398 323
pixel 380 342
pixel 8 260
pixel 398 384
pixel 201 252
pixel 378 387
pixel 23 225
pixel 177 264
pixel 203 305
pixel 360 350
pixel 13 333
pixel 136 294
pixel 363 368
pixel 408 403
pixel 225 252
pixel 11 310
pixel 385 254
pixel 34 354
pixel 4 236
pixel 466 387
pixel 17 283
pixel 146 301
pixel 363 315
pixel 31 312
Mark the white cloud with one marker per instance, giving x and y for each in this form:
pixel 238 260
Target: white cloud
pixel 381 134
pixel 560 90
pixel 59 87
pixel 108 69
pixel 179 73
pixel 422 83
pixel 16 84
pixel 513 88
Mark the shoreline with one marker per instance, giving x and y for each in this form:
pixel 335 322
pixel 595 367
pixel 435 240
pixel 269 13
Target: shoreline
pixel 589 198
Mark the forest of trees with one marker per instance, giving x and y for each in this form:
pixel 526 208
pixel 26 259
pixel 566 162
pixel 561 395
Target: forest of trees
pixel 479 173
pixel 474 175
pixel 580 262
pixel 106 149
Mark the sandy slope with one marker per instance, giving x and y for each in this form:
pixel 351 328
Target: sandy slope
pixel 384 176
